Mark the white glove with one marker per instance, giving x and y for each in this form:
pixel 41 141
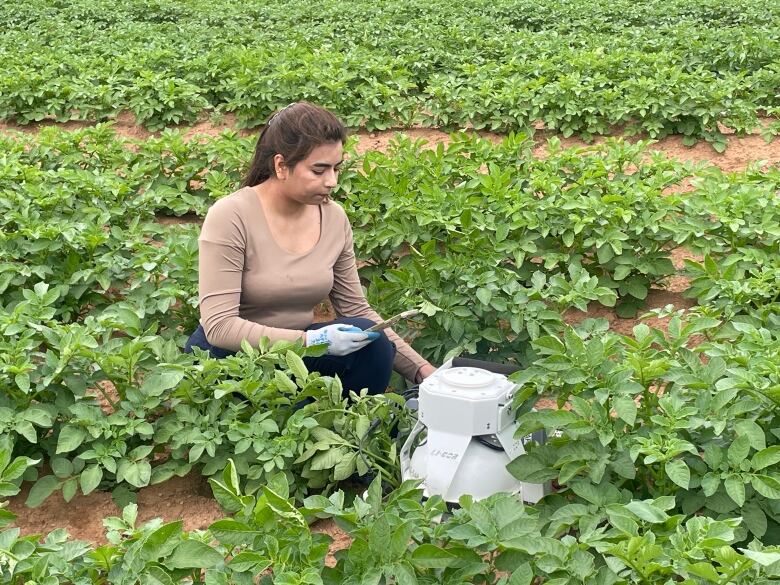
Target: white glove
pixel 341 339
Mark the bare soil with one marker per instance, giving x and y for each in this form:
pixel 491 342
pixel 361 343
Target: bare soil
pixel 189 498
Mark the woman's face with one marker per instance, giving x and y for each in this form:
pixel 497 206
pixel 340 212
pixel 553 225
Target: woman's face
pixel 311 181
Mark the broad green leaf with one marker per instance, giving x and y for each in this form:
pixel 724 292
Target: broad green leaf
pixel 739 450
pixel 767 486
pixel 61 467
pixel 193 554
pixel 626 409
pixel 249 561
pixel 158 382
pixel 704 570
pixel 284 383
pixel 345 467
pixel 162 541
pixel 70 438
pixel 297 367
pixel 735 488
pixel 430 556
pixel 484 295
pixel 90 478
pixel 647 511
pixel 753 432
pixel 765 559
pixel 523 575
pixel 754 518
pixel 41 490
pixel 232 532
pixel 69 488
pixel 327 459
pixel 678 472
pixel 766 457
pixel 281 506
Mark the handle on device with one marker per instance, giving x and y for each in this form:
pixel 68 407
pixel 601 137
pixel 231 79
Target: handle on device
pixel 504 369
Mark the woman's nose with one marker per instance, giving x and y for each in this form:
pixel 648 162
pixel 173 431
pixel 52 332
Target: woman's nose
pixel 331 178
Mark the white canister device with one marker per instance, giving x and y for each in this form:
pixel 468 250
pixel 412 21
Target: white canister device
pixel 470 437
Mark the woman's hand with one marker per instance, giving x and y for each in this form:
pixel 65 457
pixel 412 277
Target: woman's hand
pixel 341 339
pixel 424 371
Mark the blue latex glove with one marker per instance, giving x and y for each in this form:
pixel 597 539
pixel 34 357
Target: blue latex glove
pixel 341 339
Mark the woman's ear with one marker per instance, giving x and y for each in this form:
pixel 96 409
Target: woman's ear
pixel 280 167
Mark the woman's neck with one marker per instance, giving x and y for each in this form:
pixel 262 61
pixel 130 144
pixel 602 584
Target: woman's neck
pixel 276 202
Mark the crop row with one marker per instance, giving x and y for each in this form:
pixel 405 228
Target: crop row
pixel 582 225
pixel 401 540
pixel 580 67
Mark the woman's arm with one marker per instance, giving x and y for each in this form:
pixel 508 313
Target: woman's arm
pixel 348 300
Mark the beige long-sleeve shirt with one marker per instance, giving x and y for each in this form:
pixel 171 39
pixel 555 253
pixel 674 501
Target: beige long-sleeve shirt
pixel 250 287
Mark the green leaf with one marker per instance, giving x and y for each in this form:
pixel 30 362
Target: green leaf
pixel 327 459
pixel 281 506
pixel 735 488
pixel 678 472
pixel 296 365
pixel 193 554
pixel 523 575
pixel 23 382
pixel 61 467
pixel 636 286
pixel 41 490
pixel 626 409
pixel 646 511
pixel 69 488
pixel 492 334
pixel 766 457
pixel 704 570
pixel 738 451
pixel 713 455
pixel 162 541
pixel 754 518
pixel 70 438
pixel 753 432
pixel 156 383
pixel 710 483
pixel 17 468
pixel 484 295
pixel 232 532
pixel 430 556
pixel 90 478
pixel 249 561
pixel 764 559
pixel 767 486
pixel 284 383
pixel 345 467
pixel 622 270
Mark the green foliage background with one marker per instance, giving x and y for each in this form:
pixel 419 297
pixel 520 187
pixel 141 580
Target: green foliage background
pixel 671 66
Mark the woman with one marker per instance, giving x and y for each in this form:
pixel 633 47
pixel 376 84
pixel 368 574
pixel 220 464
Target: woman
pixel 276 247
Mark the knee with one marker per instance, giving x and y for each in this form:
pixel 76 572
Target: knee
pixel 383 348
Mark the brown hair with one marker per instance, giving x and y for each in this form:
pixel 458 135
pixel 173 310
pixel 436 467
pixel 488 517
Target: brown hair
pixel 293 132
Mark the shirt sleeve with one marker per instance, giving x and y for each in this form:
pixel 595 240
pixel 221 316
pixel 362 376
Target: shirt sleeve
pixel 222 246
pixel 348 300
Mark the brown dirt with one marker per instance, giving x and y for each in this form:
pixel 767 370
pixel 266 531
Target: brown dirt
pixel 189 498
pixel 741 150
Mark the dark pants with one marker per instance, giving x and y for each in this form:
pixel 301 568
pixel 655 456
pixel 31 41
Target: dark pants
pixel 369 367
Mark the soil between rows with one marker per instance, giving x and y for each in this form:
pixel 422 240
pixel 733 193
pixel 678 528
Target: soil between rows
pixel 189 498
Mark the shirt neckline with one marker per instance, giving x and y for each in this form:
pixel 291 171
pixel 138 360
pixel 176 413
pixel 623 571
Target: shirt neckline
pixel 271 237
